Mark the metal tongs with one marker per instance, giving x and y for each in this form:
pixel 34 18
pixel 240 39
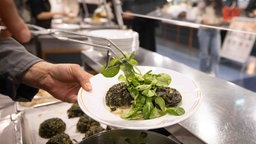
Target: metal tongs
pixel 62 35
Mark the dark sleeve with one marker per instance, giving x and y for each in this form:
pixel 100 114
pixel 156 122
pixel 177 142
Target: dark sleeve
pixel 15 60
pixel 141 6
pixel 250 6
pixel 36 7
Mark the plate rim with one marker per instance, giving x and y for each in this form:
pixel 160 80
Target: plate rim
pixel 72 26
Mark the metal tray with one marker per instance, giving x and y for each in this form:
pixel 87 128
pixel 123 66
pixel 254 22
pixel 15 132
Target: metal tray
pixel 10 129
pixel 32 118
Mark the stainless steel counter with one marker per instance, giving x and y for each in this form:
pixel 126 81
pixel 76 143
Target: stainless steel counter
pixel 227 114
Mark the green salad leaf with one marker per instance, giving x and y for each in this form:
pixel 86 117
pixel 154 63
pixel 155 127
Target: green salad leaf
pixel 175 111
pixel 147 108
pixel 146 103
pixel 112 69
pixel 160 102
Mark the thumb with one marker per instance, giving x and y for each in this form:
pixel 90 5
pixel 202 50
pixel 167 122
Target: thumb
pixel 83 78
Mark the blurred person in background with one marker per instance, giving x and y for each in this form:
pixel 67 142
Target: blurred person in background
pixel 209 39
pixel 41 12
pixel 250 10
pixel 22 74
pixel 71 8
pixel 192 11
pixel 145 27
pixel 230 10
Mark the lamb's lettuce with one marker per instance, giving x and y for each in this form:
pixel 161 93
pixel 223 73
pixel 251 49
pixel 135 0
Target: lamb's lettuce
pixel 146 103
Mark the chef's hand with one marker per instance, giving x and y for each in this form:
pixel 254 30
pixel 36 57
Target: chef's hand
pixel 62 81
pixel 10 18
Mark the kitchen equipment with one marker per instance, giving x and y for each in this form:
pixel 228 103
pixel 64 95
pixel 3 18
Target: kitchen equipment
pixel 126 40
pixel 110 47
pixel 32 118
pixel 128 137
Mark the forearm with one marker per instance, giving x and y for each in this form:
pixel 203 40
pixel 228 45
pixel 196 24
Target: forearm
pixel 15 61
pixel 38 75
pixel 44 15
pixel 48 15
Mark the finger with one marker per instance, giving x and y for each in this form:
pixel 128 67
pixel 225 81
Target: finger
pixel 13 22
pixel 85 82
pixel 82 77
pixel 72 99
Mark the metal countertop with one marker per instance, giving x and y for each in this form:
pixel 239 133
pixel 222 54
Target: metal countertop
pixel 227 114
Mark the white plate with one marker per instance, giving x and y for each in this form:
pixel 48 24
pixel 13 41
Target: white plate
pixel 113 34
pixel 93 103
pixel 67 26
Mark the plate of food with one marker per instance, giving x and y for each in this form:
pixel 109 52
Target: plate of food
pixel 96 20
pixel 131 114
